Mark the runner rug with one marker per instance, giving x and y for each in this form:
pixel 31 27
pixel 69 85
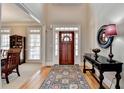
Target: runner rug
pixel 65 77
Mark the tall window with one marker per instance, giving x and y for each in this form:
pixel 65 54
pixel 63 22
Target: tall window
pixel 34 44
pixel 4 38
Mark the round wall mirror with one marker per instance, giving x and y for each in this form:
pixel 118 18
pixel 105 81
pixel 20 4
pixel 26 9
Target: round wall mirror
pixel 103 41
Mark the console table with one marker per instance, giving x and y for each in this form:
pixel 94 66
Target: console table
pixel 103 65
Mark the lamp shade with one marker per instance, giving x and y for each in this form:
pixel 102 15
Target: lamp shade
pixel 110 30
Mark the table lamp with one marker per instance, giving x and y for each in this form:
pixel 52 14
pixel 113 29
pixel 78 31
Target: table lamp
pixel 110 32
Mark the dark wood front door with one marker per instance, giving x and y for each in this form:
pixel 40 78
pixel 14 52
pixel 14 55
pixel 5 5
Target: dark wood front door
pixel 66 48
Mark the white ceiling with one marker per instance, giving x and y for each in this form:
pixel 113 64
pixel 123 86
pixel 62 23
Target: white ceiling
pixel 12 13
pixel 36 9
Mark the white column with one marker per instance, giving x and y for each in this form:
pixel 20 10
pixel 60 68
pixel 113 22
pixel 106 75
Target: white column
pixel 43 51
pixel 0 56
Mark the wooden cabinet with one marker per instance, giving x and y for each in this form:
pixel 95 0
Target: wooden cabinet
pixel 18 41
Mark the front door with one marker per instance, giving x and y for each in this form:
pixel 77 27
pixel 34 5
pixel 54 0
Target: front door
pixel 66 48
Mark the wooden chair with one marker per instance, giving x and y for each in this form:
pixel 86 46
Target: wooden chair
pixel 11 62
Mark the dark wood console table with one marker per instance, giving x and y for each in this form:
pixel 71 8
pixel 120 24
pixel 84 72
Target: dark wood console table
pixel 103 65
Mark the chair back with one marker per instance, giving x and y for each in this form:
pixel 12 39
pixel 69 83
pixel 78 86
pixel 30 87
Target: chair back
pixel 14 50
pixel 13 58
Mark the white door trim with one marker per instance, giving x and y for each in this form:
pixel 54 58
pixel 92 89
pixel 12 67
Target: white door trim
pixel 77 59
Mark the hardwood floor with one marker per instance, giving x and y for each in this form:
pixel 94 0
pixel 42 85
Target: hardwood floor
pixel 37 79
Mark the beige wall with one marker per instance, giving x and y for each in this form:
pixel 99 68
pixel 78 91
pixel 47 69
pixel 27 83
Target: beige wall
pixel 19 30
pixel 65 14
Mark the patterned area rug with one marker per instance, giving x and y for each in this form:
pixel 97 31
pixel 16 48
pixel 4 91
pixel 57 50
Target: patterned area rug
pixel 65 77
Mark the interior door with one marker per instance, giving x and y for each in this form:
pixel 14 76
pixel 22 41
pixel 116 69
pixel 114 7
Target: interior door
pixel 66 48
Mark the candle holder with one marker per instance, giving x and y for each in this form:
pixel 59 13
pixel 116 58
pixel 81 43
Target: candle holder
pixel 96 51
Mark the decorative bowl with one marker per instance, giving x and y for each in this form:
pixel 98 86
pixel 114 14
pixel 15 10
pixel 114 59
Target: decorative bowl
pixel 96 50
